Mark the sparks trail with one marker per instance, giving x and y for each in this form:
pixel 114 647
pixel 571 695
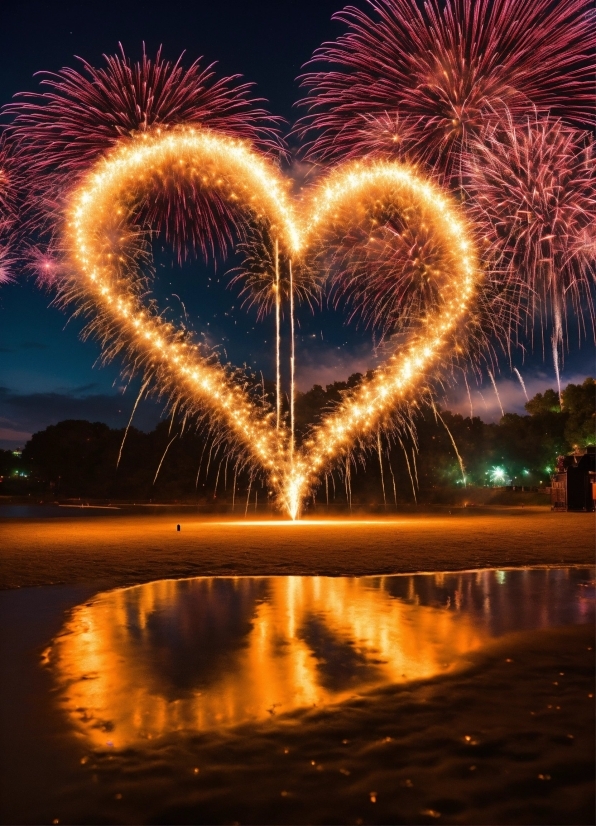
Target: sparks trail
pixel 521 381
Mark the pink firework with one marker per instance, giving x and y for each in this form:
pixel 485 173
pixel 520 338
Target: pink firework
pixel 6 263
pixel 5 181
pixel 46 267
pixel 59 132
pixel 390 270
pixel 533 189
pixel 443 71
pixel 385 272
pixel 7 215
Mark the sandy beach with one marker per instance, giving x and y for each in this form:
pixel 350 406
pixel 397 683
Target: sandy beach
pixel 119 548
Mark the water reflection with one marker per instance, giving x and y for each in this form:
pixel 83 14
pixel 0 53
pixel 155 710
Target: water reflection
pixel 190 655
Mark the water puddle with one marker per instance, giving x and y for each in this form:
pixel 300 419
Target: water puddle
pixel 192 655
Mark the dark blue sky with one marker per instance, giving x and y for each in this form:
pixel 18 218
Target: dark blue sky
pixel 46 372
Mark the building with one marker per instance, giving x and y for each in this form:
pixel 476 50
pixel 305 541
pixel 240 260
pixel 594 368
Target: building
pixel 574 482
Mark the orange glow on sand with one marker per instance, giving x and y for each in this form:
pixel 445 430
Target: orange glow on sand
pixel 305 523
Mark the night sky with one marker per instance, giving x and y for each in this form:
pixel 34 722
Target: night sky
pixel 46 372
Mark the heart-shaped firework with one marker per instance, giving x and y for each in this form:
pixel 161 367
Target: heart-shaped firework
pixel 104 246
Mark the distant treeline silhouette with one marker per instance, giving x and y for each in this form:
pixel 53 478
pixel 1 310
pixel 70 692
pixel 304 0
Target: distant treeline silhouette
pixel 80 458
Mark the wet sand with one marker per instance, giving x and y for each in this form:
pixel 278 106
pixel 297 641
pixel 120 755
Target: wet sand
pixel 407 758
pixel 124 549
pixel 509 740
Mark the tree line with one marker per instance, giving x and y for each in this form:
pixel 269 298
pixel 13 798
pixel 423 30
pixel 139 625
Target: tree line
pixel 76 458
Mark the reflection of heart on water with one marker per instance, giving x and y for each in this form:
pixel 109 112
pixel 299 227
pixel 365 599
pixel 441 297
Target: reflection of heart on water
pixel 192 655
pixel 105 250
pixel 196 654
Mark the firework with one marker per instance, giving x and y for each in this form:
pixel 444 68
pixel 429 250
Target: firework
pixel 388 270
pixel 426 79
pixel 7 215
pixel 533 188
pixel 6 263
pixel 61 131
pixel 263 276
pixel 5 183
pixel 104 246
pixel 45 264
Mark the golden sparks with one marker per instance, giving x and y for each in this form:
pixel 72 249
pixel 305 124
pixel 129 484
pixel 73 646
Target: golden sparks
pixel 104 252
